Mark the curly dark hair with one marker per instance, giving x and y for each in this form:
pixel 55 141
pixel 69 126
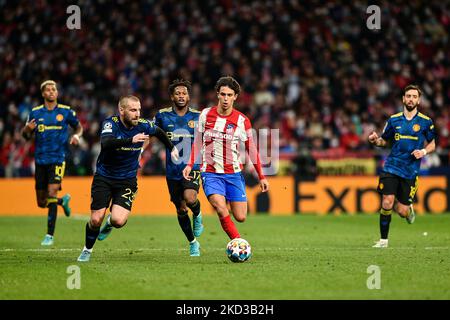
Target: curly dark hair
pixel 178 83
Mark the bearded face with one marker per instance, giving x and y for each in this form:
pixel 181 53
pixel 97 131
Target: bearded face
pixel 411 100
pixel 130 113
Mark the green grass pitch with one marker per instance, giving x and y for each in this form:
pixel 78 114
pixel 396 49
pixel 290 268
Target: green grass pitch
pixel 295 257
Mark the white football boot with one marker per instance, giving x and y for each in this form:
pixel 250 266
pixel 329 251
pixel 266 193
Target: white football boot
pixel 382 243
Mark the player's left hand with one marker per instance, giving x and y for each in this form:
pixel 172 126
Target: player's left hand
pixel 75 139
pixel 264 184
pixel 175 155
pixel 418 154
pixel 186 172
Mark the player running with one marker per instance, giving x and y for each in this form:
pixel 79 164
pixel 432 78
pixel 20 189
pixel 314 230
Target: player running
pixel 179 122
pixel 50 123
pixel 218 137
pixel 115 183
pixel 408 131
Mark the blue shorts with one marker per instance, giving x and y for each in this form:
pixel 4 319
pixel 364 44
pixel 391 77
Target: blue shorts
pixel 229 185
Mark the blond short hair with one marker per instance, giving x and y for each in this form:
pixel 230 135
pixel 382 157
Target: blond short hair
pixel 123 102
pixel 46 82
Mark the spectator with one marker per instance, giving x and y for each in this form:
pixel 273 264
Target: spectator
pixel 310 71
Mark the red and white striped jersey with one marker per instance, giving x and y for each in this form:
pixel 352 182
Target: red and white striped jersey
pixel 220 140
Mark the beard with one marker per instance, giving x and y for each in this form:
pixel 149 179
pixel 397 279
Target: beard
pixel 129 122
pixel 411 107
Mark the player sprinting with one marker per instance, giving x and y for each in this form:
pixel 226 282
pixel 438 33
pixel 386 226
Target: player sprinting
pixel 408 131
pixel 179 122
pixel 50 124
pixel 115 184
pixel 218 136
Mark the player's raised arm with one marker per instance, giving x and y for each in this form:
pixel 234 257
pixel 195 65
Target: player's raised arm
pixel 429 148
pixel 28 129
pixel 430 136
pixel 109 142
pixel 387 135
pixel 162 136
pixel 76 125
pixel 75 139
pixel 376 140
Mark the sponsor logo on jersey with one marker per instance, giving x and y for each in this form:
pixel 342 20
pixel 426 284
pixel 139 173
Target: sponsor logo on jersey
pixel 399 136
pixel 175 135
pixel 219 135
pixel 43 127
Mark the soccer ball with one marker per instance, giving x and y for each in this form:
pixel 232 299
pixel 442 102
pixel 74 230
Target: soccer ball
pixel 239 250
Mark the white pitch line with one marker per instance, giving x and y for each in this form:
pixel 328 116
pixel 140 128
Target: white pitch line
pixel 219 249
pixel 77 249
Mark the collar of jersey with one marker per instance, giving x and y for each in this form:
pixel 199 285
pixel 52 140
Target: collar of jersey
pixel 403 114
pixel 175 113
pixel 56 107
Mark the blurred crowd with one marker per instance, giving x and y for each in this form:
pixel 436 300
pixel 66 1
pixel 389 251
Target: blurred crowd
pixel 312 69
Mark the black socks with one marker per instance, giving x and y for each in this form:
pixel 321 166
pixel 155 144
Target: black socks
pixel 185 224
pixel 385 221
pixel 91 236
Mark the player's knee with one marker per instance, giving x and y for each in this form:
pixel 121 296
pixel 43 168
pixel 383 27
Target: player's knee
pixel 118 223
pixel 388 203
pixel 53 193
pixel 221 210
pixel 241 218
pixel 190 200
pixel 96 222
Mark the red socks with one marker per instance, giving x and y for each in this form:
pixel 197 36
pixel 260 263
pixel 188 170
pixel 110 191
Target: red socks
pixel 229 227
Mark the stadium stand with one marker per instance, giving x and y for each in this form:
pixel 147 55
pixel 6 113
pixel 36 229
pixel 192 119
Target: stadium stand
pixel 312 69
